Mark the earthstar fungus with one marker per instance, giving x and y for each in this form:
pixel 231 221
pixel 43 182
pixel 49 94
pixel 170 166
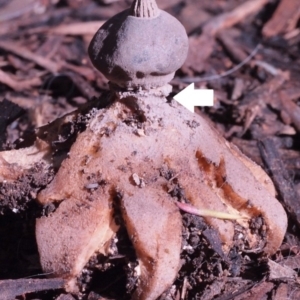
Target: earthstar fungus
pixel 132 149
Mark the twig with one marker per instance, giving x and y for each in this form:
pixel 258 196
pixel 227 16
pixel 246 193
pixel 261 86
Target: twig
pixel 10 289
pixel 216 25
pixel 233 17
pixel 21 51
pixel 281 178
pixel 48 64
pixel 184 288
pixel 18 85
pixel 79 28
pixel 16 8
pixel 234 69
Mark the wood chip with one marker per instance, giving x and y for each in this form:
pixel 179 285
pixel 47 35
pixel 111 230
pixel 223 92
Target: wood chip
pixel 229 19
pixel 284 19
pixel 22 51
pixel 16 8
pixel 48 64
pixel 18 287
pixel 236 53
pixel 213 237
pixel 196 58
pixel 65 297
pixel 239 86
pixel 213 289
pixel 277 272
pixel 292 109
pixel 281 178
pixel 16 85
pixel 8 113
pixel 259 291
pixel 281 292
pixel 292 262
pixel 80 28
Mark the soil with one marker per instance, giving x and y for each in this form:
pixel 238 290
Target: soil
pixel 251 59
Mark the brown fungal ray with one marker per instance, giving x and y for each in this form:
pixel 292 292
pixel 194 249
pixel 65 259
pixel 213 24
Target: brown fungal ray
pixel 127 144
pixel 81 225
pixel 154 225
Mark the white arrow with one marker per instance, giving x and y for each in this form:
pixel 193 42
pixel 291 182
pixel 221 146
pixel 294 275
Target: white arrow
pixel 189 97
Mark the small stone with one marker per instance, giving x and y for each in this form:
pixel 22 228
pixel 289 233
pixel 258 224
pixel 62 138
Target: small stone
pixel 136 179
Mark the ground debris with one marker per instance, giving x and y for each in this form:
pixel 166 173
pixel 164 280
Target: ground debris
pixel 284 19
pixel 16 195
pixel 214 26
pixel 259 291
pixel 279 272
pixel 19 287
pixel 9 112
pixel 281 178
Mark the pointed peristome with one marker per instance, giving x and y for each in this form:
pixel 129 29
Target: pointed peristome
pixel 144 9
